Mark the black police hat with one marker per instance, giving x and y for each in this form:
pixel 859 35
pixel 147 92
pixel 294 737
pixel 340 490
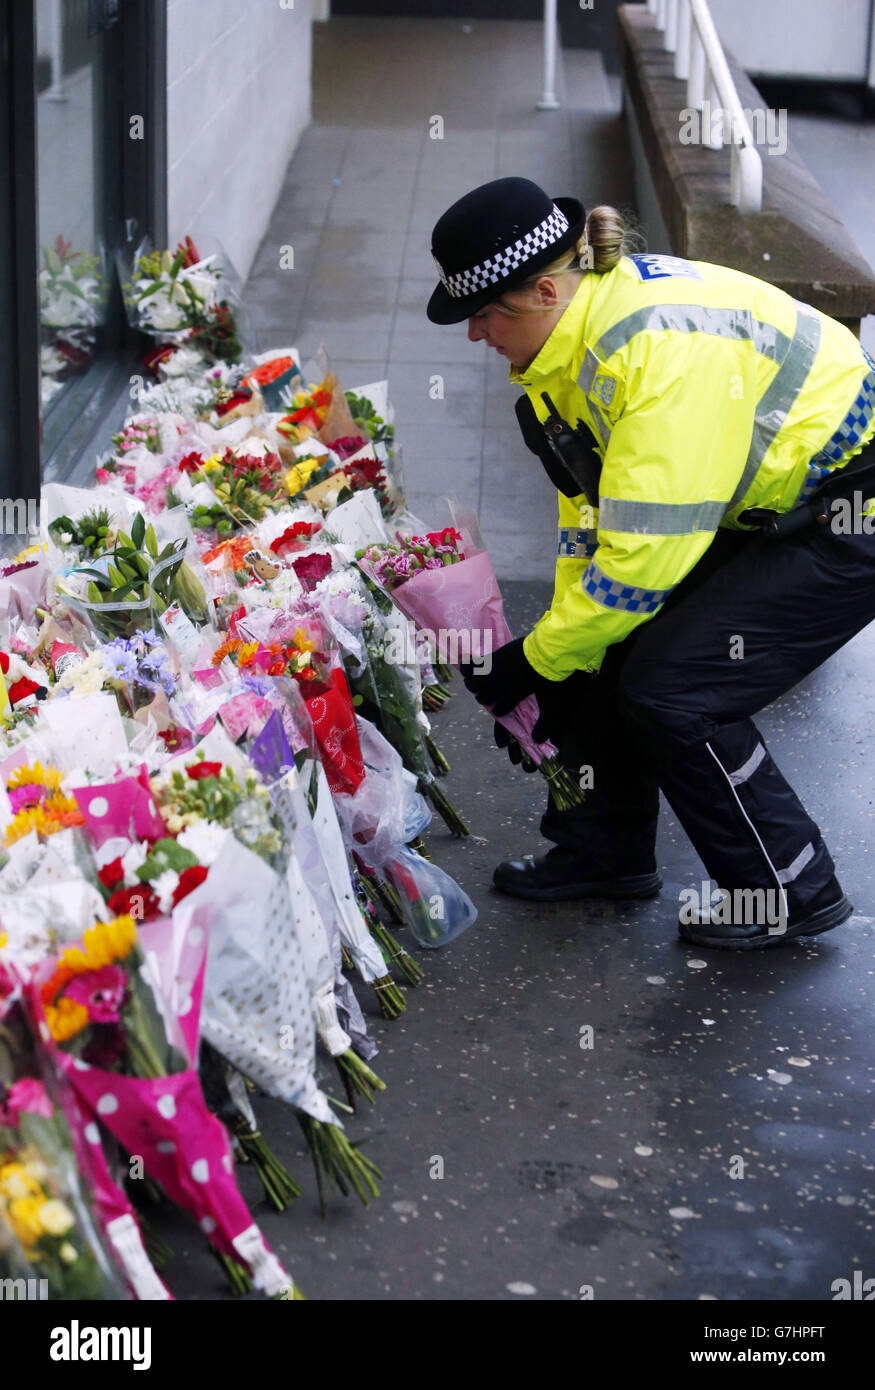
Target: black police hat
pixel 493 239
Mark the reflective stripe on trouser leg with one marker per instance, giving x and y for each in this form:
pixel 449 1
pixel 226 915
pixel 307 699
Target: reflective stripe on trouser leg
pixel 744 820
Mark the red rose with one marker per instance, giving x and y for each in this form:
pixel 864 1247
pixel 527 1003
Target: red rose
pixel 4 662
pixel 139 902
pixel 347 444
pixel 111 873
pixel 188 881
pixel 198 771
pixel 310 569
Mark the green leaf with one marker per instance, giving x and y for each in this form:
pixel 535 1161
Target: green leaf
pixel 138 530
pixel 166 854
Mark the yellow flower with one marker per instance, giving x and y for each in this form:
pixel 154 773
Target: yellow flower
pixel 303 642
pixel 28 553
pixel 55 1217
pixel 296 478
pixel 24 1214
pixel 35 776
pixel 16 1182
pixel 68 1253
pixel 3 939
pixel 66 1019
pixel 214 461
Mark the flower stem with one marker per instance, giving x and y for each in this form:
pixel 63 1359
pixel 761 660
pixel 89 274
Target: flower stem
pixel 564 790
pixel 444 807
pixel 357 1076
pixel 236 1274
pixel 396 952
pixel 335 1158
pixel 389 996
pixel 440 763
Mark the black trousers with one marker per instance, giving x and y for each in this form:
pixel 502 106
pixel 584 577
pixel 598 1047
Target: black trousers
pixel 671 708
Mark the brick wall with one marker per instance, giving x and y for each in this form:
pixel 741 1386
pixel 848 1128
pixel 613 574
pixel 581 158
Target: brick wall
pixel 238 98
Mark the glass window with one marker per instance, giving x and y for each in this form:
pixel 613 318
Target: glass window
pixel 74 266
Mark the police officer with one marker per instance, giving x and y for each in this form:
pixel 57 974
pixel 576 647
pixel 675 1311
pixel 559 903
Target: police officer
pixel 698 424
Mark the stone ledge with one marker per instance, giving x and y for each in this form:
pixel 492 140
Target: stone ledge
pixel 810 254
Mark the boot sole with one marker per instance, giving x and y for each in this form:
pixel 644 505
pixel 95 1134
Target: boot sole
pixel 635 886
pixel 823 921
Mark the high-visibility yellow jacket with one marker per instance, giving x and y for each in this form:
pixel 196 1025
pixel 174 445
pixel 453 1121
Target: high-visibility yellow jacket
pixel 707 392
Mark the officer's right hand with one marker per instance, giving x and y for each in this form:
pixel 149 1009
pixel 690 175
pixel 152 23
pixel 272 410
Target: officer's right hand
pixel 505 739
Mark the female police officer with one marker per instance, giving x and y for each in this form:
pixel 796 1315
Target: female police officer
pixel 694 584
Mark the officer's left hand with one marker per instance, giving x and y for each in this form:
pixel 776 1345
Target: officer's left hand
pixel 553 712
pixel 508 679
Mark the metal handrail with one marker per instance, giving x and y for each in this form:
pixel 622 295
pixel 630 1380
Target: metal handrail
pixel 699 60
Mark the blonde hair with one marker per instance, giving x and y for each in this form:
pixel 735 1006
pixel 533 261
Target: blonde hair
pixel 608 235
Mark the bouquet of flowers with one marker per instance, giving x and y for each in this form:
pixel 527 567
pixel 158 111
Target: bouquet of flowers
pixel 246 485
pixel 73 288
pixel 133 581
pixel 55 1238
pixel 126 1051
pixel 181 292
pixel 445 582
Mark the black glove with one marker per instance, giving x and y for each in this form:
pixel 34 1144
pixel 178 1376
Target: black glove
pixel 553 712
pixel 508 680
pixel 505 739
pixel 561 704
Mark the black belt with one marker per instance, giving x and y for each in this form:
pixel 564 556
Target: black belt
pixel 855 477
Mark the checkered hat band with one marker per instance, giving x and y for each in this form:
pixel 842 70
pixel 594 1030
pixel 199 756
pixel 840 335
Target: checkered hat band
pixel 505 262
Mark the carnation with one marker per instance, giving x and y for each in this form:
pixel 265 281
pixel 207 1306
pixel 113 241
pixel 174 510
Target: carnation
pixel 132 860
pixel 204 840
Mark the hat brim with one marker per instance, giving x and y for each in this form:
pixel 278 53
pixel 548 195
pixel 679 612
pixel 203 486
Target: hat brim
pixel 444 308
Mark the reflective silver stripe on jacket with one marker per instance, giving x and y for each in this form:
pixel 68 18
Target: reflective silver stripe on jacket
pixel 696 318
pixel 585 380
pixel 778 399
pixel 795 357
pixel 659 518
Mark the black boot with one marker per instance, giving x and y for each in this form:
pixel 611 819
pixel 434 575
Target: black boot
pixel 830 908
pixel 622 866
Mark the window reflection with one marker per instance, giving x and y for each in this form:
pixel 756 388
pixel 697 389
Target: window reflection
pixel 74 283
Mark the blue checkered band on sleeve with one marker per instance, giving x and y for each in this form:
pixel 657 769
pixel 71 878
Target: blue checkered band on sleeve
pixel 848 436
pixel 577 543
pixel 610 593
pixel 858 419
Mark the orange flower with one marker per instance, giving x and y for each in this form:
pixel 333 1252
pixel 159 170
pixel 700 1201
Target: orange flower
pixel 66 1018
pixel 246 654
pixel 228 648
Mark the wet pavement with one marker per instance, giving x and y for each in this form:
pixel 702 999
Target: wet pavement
pixel 714 1140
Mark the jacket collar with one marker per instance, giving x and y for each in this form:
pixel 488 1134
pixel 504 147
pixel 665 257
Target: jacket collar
pixel 565 341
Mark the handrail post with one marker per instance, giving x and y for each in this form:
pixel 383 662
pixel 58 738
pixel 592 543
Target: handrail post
pixel 696 79
pixel 671 26
pixel 548 100
pixel 682 48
